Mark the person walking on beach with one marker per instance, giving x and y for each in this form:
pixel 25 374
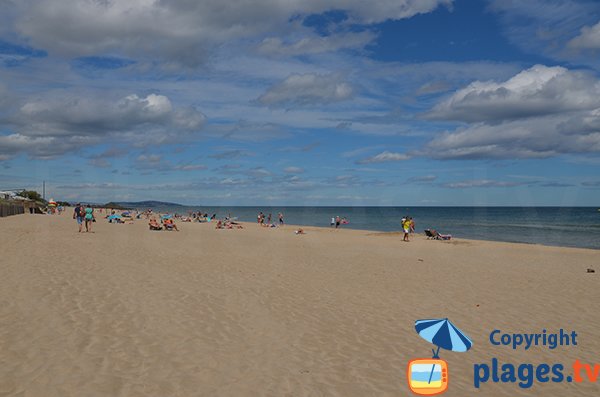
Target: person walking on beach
pixel 280 219
pixel 406 227
pixel 337 222
pixel 269 220
pixel 78 214
pixel 89 218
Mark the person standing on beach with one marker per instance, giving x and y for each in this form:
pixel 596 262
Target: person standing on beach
pixel 89 218
pixel 337 222
pixel 280 219
pixel 78 214
pixel 269 220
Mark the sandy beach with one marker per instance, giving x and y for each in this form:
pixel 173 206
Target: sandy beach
pixel 125 311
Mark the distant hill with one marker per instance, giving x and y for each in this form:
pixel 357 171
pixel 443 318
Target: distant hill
pixel 147 204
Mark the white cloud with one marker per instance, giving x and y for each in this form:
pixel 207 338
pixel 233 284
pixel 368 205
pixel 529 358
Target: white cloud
pixel 540 112
pixel 65 122
pixel 384 157
pixel 307 89
pixel 181 31
pixel 529 138
pixel 539 90
pixel 69 115
pixel 40 147
pixel 588 39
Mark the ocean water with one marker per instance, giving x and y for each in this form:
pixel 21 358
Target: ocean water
pixel 558 226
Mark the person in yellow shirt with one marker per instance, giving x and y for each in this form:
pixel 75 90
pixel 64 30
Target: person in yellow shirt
pixel 406 227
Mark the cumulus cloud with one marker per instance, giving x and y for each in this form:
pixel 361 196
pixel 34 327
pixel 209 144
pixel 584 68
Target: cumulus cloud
pixel 55 124
pixel 307 89
pixel 540 112
pixel 180 30
pixel 540 90
pixel 532 138
pixel 40 147
pixel 588 39
pixel 85 115
pixel 384 157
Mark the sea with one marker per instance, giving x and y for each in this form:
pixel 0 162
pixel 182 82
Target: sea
pixel 556 226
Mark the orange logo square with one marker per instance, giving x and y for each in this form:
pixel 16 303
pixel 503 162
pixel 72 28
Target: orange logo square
pixel 427 376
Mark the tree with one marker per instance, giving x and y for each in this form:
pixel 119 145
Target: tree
pixel 32 195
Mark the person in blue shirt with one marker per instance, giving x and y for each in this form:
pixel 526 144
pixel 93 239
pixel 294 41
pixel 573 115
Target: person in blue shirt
pixel 78 214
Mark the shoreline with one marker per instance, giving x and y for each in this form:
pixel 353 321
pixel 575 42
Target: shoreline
pixel 381 232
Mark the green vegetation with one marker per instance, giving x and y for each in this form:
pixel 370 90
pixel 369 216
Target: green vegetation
pixel 32 195
pixel 114 206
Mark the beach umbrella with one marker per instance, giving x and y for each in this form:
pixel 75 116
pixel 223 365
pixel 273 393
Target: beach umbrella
pixel 442 333
pixel 52 203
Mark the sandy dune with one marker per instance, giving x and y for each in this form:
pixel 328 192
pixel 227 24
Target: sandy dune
pixel 264 312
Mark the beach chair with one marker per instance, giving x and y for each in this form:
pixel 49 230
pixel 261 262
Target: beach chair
pixel 429 234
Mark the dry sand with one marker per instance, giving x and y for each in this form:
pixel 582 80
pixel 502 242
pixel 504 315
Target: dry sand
pixel 264 312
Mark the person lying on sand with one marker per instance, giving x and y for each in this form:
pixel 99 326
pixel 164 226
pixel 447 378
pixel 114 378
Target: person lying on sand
pixel 228 225
pixel 437 235
pixel 300 231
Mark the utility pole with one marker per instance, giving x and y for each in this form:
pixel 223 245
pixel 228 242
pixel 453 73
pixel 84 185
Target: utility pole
pixel 44 191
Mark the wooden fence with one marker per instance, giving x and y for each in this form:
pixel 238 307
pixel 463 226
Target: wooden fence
pixel 11 209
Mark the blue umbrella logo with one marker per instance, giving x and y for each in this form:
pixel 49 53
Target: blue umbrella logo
pixel 442 333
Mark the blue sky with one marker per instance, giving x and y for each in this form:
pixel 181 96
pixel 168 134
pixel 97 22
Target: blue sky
pixel 406 102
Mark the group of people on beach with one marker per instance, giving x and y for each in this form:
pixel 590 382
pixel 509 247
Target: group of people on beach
pixel 264 220
pixel 337 222
pixel 85 216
